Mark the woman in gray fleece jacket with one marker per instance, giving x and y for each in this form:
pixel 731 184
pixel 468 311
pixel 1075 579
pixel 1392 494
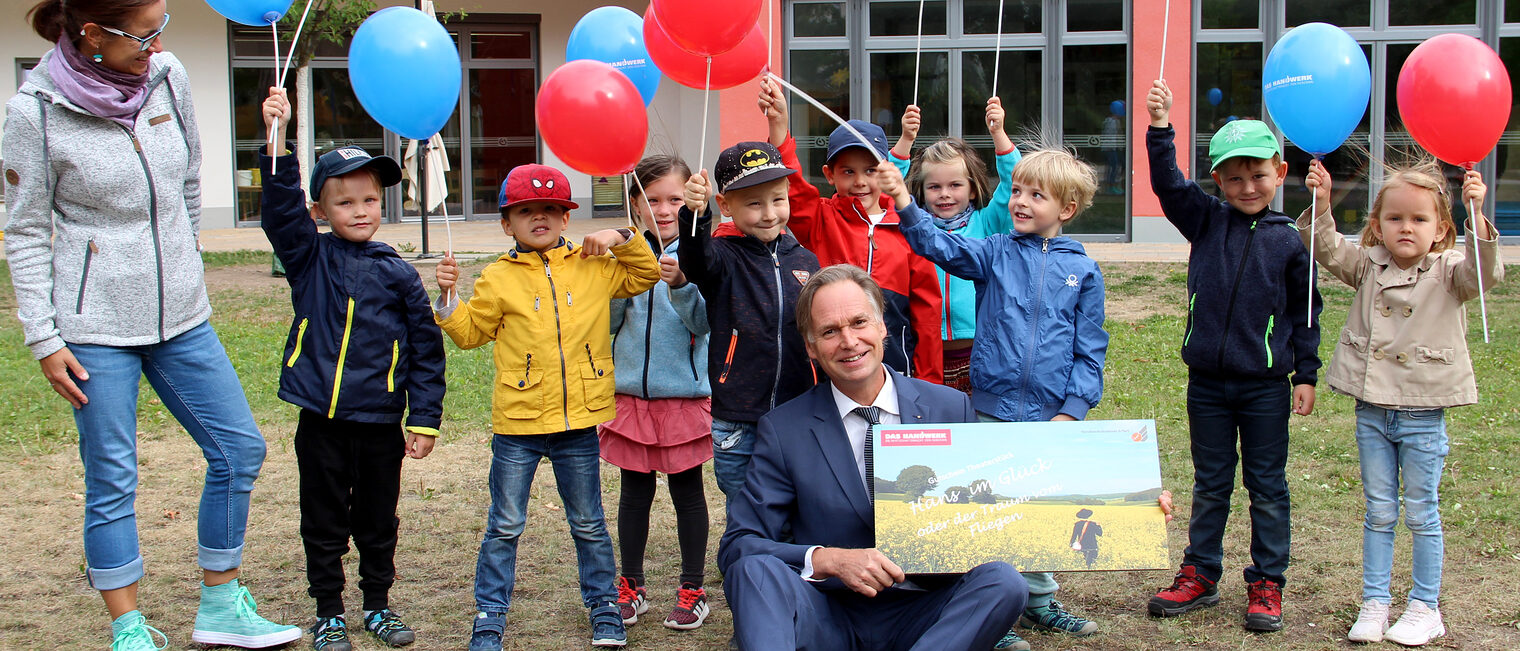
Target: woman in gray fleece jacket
pixel 102 171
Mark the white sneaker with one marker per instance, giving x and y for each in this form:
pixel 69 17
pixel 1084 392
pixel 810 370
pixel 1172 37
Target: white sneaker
pixel 1371 623
pixel 1418 625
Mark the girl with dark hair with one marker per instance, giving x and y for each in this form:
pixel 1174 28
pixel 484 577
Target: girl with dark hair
pixel 102 167
pixel 664 412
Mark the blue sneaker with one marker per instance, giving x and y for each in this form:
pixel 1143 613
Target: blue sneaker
pixel 330 634
pixel 229 616
pixel 387 625
pixel 137 635
pixel 489 628
pixel 1054 617
pixel 607 626
pixel 1011 642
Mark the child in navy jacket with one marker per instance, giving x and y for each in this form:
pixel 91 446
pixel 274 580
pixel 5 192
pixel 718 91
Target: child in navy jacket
pixel 363 353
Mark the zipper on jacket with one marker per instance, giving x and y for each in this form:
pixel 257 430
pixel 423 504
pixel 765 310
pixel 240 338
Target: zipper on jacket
pixel 907 360
pixel 527 371
pixel 592 360
pixel 648 327
pixel 1267 340
pixel 300 338
pixel 158 254
pixel 559 336
pixel 1039 303
pixel 1229 313
pixel 1188 335
pixel 691 356
pixel 949 322
pixel 390 377
pixel 780 301
pixel 348 326
pixel 84 276
pixel 733 341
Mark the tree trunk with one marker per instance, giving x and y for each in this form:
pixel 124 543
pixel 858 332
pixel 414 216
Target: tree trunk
pixel 303 125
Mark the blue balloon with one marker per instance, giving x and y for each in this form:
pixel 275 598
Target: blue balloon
pixel 1316 84
pixel 1215 96
pixel 255 13
pixel 1230 119
pixel 1116 107
pixel 615 36
pixel 405 71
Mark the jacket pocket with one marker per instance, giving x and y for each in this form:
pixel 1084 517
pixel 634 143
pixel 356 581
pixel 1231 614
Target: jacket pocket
pixel 300 339
pixel 84 274
pixel 728 360
pixel 521 395
pixel 597 381
pixel 390 376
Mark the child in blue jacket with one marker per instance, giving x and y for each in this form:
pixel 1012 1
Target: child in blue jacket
pixel 1040 344
pixel 363 353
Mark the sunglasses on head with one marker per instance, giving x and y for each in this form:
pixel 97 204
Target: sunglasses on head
pixel 143 42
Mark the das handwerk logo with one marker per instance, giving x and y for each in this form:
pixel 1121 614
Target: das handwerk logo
pixel 1291 80
pixel 916 437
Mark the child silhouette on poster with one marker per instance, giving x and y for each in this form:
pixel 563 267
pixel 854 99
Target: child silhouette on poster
pixel 1084 536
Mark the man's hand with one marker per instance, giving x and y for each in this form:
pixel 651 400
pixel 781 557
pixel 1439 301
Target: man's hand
pixel 419 445
pixel 601 242
pixel 1303 399
pixel 890 181
pixel 670 272
pixel 1159 103
pixel 696 193
pixel 866 571
pixel 1319 179
pixel 773 104
pixel 60 369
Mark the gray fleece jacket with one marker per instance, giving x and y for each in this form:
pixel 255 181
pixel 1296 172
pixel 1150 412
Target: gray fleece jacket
pixel 114 261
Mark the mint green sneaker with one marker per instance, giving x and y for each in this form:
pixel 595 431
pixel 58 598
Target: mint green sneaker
pixel 137 635
pixel 229 616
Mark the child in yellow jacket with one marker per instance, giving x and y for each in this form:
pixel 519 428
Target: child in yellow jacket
pixel 545 304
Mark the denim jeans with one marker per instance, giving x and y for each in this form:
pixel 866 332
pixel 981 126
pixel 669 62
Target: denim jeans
pixel 577 472
pixel 1412 445
pixel 197 384
pixel 1224 411
pixel 733 445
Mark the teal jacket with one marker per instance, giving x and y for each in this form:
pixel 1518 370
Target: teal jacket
pixel 958 314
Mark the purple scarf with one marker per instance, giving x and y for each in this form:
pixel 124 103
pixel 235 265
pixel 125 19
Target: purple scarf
pixel 107 93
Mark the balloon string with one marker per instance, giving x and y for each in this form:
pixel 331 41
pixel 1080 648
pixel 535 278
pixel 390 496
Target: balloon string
pixel 918 48
pixel 649 210
pixel 285 73
pixel 997 50
pixel 1313 227
pixel 274 28
pixel 424 154
pixel 835 116
pixel 770 32
pixel 1472 213
pixel 1166 23
pixel 702 144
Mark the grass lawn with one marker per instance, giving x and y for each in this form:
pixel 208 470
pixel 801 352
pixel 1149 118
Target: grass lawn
pixel 45 601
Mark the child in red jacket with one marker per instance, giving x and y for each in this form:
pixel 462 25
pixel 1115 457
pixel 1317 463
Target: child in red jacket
pixel 859 226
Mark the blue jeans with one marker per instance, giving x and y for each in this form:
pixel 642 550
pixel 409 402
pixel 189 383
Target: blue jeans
pixel 577 471
pixel 1253 412
pixel 197 384
pixel 733 445
pixel 1411 444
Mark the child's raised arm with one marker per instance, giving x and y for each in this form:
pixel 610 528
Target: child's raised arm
pixel 697 191
pixel 1159 103
pixel 773 104
pixel 911 120
pixel 1473 192
pixel 1318 180
pixel 996 126
pixel 890 181
pixel 276 110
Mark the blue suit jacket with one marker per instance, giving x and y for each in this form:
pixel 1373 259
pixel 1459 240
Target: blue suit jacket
pixel 804 473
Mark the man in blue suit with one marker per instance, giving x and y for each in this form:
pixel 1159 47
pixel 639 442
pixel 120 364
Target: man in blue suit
pixel 823 585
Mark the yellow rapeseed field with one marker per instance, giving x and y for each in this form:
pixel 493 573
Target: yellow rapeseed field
pixel 1034 537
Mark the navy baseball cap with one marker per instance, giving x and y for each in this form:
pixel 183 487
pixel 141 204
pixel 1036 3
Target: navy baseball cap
pixel 343 160
pixel 841 139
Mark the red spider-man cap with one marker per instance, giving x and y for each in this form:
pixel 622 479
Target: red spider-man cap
pixel 534 182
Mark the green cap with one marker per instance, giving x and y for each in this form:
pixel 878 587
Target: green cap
pixel 1243 138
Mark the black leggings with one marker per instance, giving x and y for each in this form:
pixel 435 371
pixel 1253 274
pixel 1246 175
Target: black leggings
pixel 691 522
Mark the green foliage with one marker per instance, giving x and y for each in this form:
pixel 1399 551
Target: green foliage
pixel 333 21
pixel 914 481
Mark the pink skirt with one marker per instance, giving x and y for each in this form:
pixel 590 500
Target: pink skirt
pixel 668 435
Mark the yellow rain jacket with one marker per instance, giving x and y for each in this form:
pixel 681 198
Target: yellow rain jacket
pixel 548 314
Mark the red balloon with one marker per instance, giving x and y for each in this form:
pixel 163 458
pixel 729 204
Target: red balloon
pixel 729 69
pixel 592 117
pixel 1454 97
pixel 702 28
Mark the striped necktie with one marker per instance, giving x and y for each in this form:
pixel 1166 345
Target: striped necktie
pixel 873 418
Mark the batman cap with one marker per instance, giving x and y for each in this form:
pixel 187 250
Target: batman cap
pixel 748 164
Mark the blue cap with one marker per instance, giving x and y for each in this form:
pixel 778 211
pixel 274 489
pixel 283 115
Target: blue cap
pixel 343 160
pixel 842 139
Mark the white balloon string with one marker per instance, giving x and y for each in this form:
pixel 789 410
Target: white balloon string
pixel 285 72
pixel 1166 22
pixel 835 116
pixel 997 50
pixel 918 50
pixel 702 144
pixel 274 28
pixel 649 210
pixel 1313 204
pixel 1472 214
pixel 770 31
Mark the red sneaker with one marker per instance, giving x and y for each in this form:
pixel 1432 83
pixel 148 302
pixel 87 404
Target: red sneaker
pixel 631 601
pixel 1263 606
pixel 691 608
pixel 1190 591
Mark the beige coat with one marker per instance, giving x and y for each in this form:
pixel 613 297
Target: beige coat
pixel 1404 345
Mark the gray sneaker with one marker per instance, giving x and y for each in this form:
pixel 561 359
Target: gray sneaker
pixel 1011 642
